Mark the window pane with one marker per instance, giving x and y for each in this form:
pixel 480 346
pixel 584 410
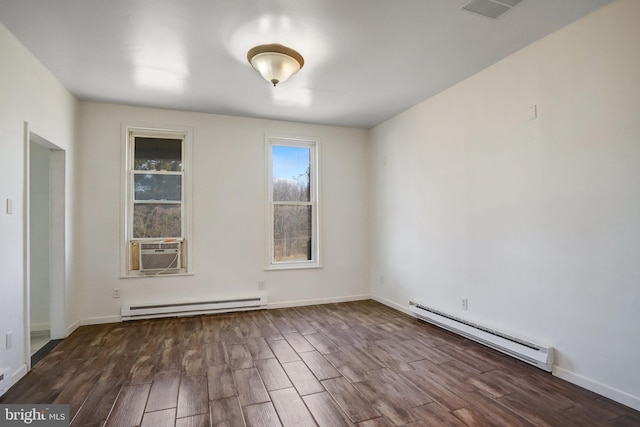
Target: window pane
pixel 151 220
pixel 157 154
pixel 158 187
pixel 292 233
pixel 291 168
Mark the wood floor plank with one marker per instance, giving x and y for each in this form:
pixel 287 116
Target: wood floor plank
pixel 77 390
pixel 221 382
pixel 430 353
pixel 495 411
pixel 283 351
pixel 400 350
pixel 239 356
pixel 348 366
pixel 226 412
pixel 298 342
pixel 281 322
pixel 472 418
pixel 211 331
pixel 319 365
pixel 436 390
pixel 446 375
pixel 388 360
pixel 164 391
pixel 143 369
pixel 326 411
pixel 363 357
pixel 215 354
pixel 493 383
pixel 466 356
pixel 350 400
pixel 269 331
pixel 302 378
pixel 129 406
pixel 434 414
pixel 300 322
pixel 272 374
pixel 397 389
pixel 170 358
pixel 193 363
pixel 201 420
pixel 163 418
pixel 261 415
pixel 389 329
pixel 99 403
pixel 397 415
pixel 323 344
pixel 291 408
pixel 376 422
pixel 251 390
pixel 259 348
pixel 522 404
pixel 192 396
pixel 342 337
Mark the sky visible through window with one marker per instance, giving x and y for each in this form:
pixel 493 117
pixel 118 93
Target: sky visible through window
pixel 290 163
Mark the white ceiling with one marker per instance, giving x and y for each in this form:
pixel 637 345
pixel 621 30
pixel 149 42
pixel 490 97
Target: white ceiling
pixel 365 60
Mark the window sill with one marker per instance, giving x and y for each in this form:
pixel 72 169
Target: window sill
pixel 148 276
pixel 276 267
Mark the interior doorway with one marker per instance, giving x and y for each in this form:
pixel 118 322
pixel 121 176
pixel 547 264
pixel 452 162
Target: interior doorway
pixel 44 243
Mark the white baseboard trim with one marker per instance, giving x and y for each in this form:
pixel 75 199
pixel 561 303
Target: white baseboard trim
pixel 596 387
pixel 73 327
pixel 286 304
pixel 40 327
pixel 13 377
pixel 100 320
pixel 388 303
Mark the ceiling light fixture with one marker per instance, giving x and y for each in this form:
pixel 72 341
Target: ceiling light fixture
pixel 275 62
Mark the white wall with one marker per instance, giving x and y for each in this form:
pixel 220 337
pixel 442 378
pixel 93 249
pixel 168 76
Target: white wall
pixel 536 222
pixel 28 93
pixel 229 234
pixel 39 237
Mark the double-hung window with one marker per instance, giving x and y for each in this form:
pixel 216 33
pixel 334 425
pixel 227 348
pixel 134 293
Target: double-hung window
pixel 293 202
pixel 156 203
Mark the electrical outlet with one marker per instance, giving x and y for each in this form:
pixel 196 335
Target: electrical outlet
pixel 116 292
pixel 382 280
pixel 262 285
pixel 9 340
pixel 465 304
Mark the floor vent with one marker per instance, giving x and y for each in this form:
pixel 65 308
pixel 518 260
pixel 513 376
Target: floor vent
pixel 492 9
pixel 192 308
pixel 541 357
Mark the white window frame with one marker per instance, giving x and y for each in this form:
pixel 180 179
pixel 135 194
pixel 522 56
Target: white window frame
pixel 129 133
pixel 313 143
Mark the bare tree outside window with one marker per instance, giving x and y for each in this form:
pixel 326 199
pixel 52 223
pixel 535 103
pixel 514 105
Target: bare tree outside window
pixel 292 204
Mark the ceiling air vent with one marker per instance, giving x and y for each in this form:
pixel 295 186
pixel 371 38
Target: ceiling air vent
pixel 490 8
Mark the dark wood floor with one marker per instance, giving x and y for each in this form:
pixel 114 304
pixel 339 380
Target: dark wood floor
pixel 329 365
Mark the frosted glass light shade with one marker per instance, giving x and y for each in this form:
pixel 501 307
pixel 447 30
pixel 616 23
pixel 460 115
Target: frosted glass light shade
pixel 275 62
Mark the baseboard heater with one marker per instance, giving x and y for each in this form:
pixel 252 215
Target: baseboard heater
pixel 191 308
pixel 541 357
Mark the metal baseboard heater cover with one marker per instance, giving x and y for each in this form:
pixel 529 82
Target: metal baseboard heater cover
pixel 191 308
pixel 538 356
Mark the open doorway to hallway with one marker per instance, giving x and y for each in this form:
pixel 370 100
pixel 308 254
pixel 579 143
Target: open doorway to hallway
pixel 45 243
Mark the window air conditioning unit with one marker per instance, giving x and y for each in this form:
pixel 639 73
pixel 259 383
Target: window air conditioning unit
pixel 160 257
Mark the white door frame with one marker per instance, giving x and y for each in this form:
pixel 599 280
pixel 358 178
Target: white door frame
pixel 57 227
